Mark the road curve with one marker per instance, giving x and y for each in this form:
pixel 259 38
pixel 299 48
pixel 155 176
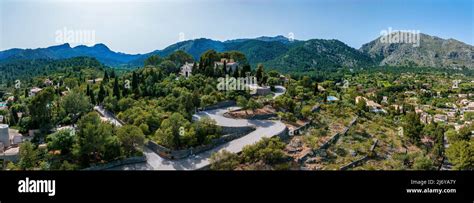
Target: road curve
pixel 279 90
pixel 264 128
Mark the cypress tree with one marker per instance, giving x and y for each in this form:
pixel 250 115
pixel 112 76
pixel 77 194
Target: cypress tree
pixel 316 90
pixel 134 81
pixel 194 68
pixel 101 95
pixel 201 66
pixel 92 97
pixel 88 90
pixel 116 89
pixel 236 73
pixel 13 117
pixel 106 76
pixel 224 67
pixel 124 91
pixel 246 69
pixel 259 74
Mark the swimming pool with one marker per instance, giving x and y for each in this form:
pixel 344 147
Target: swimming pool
pixel 332 98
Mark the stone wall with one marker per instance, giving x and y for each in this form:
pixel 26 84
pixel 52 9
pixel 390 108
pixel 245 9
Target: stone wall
pixel 336 136
pixel 231 133
pixel 238 129
pixel 223 104
pixel 331 141
pixel 112 164
pixel 10 157
pixel 361 160
pixel 283 134
pixel 354 163
pixel 263 116
pixel 299 130
pixel 108 113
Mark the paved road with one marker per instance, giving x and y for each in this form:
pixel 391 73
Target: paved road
pixel 445 166
pixel 279 90
pixel 264 128
pixel 107 115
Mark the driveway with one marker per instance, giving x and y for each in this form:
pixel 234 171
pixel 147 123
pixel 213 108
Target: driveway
pixel 279 90
pixel 264 128
pixel 106 115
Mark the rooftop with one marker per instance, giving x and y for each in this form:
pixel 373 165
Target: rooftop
pixel 35 89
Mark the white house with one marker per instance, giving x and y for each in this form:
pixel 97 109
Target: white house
pixel 230 64
pixel 186 69
pixel 470 106
pixel 440 118
pixel 94 80
pixel 374 107
pixel 34 91
pixel 48 82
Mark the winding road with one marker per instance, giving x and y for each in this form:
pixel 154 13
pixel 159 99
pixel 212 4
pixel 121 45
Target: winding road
pixel 264 128
pixel 106 115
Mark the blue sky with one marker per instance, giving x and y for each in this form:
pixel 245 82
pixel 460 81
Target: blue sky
pixel 142 26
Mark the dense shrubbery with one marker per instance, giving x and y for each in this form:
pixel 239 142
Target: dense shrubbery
pixel 94 142
pixel 269 151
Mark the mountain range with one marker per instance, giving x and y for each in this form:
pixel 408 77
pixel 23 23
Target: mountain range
pixel 431 52
pixel 280 53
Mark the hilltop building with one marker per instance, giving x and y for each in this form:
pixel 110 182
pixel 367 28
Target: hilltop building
pixel 373 106
pixel 230 64
pixel 186 69
pixel 34 91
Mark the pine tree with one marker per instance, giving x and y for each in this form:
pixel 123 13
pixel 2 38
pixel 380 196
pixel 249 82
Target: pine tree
pixel 112 75
pixel 413 127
